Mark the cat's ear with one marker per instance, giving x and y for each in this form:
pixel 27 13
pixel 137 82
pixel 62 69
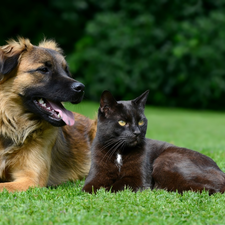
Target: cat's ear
pixel 107 102
pixel 141 100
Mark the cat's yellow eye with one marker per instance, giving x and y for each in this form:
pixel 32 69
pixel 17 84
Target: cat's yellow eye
pixel 122 123
pixel 141 122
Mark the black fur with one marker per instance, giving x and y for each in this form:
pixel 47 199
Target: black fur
pixel 112 139
pixel 146 163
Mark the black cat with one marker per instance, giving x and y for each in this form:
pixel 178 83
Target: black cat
pixel 123 157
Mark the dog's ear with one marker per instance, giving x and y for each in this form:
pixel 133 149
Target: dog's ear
pixel 10 55
pixel 50 44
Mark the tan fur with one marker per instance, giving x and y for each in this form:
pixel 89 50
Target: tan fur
pixel 50 44
pixel 32 151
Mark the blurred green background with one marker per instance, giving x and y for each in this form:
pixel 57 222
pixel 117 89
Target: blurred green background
pixel 174 48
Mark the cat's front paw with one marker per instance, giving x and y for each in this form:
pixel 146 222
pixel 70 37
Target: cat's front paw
pixel 89 189
pixel 116 188
pixel 121 187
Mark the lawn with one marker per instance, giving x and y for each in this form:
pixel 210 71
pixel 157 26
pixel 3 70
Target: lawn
pixel 199 130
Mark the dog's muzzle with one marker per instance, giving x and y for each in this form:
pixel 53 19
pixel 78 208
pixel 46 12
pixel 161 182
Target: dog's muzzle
pixel 78 87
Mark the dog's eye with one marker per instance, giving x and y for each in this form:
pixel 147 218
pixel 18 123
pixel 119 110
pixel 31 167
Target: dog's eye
pixel 43 69
pixel 67 71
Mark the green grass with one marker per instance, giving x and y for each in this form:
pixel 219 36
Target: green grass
pixel 199 130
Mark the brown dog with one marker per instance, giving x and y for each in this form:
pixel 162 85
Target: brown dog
pixel 35 150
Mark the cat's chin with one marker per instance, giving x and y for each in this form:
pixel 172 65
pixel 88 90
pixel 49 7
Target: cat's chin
pixel 133 143
pixel 136 142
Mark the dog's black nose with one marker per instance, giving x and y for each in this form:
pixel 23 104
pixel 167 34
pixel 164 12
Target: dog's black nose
pixel 78 87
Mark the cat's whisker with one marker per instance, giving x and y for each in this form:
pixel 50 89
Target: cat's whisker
pixel 120 126
pixel 109 143
pixel 111 153
pixel 114 148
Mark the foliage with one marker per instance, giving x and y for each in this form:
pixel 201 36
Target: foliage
pixel 63 21
pixel 177 53
pixel 67 204
pixel 173 48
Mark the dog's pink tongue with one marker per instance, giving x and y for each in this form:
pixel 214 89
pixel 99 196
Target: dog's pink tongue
pixel 66 115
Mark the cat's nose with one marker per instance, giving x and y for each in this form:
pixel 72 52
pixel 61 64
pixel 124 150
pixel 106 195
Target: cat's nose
pixel 137 132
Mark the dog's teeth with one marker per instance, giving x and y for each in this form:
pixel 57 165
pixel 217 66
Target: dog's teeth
pixel 59 116
pixel 41 101
pixel 44 105
pixel 49 108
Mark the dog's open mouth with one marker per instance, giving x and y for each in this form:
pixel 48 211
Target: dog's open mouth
pixel 56 111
